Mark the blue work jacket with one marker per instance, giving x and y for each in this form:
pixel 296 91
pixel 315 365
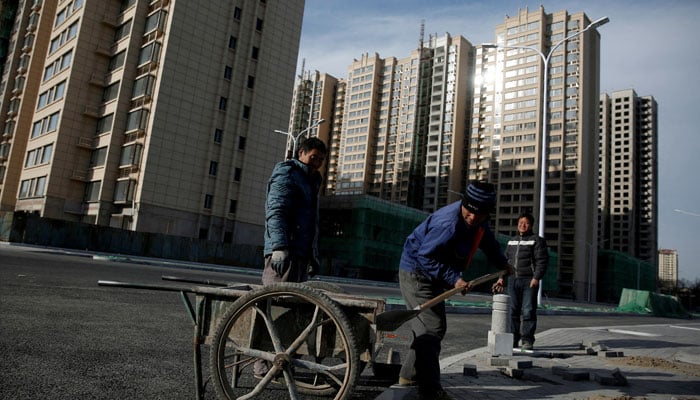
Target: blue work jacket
pixel 439 247
pixel 291 210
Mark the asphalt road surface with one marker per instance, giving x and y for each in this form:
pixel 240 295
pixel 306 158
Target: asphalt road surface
pixel 64 337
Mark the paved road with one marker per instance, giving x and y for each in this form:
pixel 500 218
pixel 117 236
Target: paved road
pixel 64 337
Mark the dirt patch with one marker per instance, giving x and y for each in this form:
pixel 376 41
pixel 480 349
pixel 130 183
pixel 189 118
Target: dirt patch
pixel 676 367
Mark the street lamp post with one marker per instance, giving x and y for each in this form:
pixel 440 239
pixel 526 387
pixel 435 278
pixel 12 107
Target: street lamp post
pixel 545 106
pixel 298 135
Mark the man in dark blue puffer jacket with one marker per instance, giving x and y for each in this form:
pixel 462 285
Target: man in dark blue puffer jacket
pixel 291 220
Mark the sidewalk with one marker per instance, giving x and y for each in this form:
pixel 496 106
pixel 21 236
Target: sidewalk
pixel 633 362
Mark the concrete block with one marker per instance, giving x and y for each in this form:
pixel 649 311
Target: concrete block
pixel 570 374
pixel 500 362
pixel 600 347
pixel 513 372
pixel 614 378
pixel 520 364
pixel 611 354
pixel 500 344
pixel 469 370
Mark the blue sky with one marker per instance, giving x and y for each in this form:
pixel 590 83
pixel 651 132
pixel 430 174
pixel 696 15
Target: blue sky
pixel 649 46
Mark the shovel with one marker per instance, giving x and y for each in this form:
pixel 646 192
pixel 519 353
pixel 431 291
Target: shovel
pixel 391 320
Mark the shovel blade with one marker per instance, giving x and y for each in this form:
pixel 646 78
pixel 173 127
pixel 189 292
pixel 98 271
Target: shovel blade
pixel 392 320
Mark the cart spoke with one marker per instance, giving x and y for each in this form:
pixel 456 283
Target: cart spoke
pixel 274 336
pixel 311 327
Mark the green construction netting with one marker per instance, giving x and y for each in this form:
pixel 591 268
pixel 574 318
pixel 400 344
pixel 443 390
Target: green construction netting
pixel 645 302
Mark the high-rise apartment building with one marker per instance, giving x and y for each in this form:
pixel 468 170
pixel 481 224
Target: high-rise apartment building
pixel 402 136
pixel 668 268
pixel 628 175
pixel 149 115
pixel 505 142
pixel 314 100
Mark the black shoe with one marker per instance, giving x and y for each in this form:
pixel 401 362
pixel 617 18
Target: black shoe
pixel 527 346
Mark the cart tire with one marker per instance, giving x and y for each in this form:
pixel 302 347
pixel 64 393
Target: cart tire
pixel 295 313
pixel 326 286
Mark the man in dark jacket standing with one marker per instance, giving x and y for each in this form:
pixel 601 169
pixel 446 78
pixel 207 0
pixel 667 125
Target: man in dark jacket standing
pixel 528 255
pixel 433 259
pixel 291 215
pixel 291 220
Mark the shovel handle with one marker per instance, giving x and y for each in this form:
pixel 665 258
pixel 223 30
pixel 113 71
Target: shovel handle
pixel 456 290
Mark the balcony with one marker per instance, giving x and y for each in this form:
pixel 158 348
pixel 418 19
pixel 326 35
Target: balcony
pixel 92 111
pixel 86 143
pixel 80 175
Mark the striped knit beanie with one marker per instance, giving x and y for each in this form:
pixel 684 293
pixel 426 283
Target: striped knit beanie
pixel 480 197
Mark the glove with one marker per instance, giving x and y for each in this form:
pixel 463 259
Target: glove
pixel 314 266
pixel 279 261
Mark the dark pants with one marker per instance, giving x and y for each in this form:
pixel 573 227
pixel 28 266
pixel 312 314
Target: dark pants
pixel 523 304
pixel 296 272
pixel 422 363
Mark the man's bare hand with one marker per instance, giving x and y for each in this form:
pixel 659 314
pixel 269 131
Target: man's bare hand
pixel 466 286
pixel 497 287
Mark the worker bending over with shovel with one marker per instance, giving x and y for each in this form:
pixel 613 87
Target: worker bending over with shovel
pixel 433 259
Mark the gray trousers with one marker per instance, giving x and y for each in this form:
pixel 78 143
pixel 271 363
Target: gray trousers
pixel 296 272
pixel 422 363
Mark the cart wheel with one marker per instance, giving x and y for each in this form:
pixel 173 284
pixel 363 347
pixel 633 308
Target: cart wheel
pixel 325 286
pixel 303 336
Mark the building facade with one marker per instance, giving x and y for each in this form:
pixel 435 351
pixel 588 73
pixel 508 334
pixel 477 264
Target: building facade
pixel 668 268
pixel 130 114
pixel 505 142
pixel 628 175
pixel 399 126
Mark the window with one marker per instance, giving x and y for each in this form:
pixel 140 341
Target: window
pixel 227 72
pixel 51 95
pixel 58 65
pixel 155 21
pixel 232 205
pixel 38 156
pixel 127 4
pixel 136 120
pixel 241 143
pixel 98 157
pixel 45 125
pixel 251 82
pixel 104 124
pixel 246 112
pixel 143 86
pixel 117 61
pixel 110 93
pixel 237 12
pixel 208 200
pixel 237 174
pixel 68 34
pixel 222 103
pixel 122 31
pixel 92 191
pixel 213 165
pixel 259 24
pixel 149 53
pixel 124 191
pixel 34 187
pixel 131 155
pixel 232 42
pixel 218 134
pixel 255 53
